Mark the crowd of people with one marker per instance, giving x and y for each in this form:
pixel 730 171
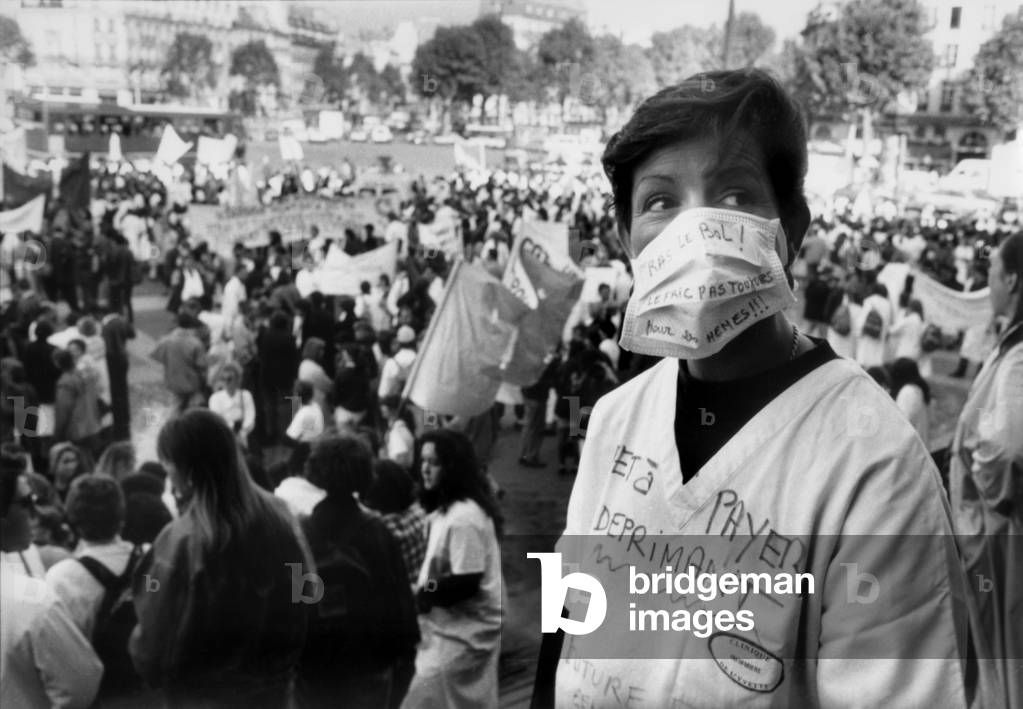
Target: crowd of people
pixel 307 532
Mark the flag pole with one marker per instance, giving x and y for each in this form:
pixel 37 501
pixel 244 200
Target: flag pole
pixel 430 333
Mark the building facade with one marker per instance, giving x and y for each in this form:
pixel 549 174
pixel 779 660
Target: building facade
pixel 938 131
pixel 531 19
pixel 115 49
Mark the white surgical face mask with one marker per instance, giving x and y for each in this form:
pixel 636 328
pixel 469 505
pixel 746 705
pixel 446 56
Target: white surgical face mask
pixel 709 276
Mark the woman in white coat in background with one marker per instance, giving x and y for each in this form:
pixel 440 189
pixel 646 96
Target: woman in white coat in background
pixel 986 490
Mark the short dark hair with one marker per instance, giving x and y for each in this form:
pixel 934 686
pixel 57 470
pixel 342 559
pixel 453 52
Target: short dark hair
pixel 304 391
pixel 340 464
pixel 95 507
pixel 392 489
pixel 719 103
pixel 11 468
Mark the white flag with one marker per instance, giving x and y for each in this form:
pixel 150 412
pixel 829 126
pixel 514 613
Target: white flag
pixel 27 217
pixel 172 147
pixel 472 157
pixel 291 149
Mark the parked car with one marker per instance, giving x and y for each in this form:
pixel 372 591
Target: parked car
pixel 358 135
pixel 488 141
pixel 315 135
pixel 446 138
pixel 381 134
pixel 416 137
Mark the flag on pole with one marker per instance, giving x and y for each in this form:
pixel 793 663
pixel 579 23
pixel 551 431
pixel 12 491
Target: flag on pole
pixel 21 189
pixel 27 217
pixel 172 147
pixel 545 242
pixel 551 293
pixel 471 157
pixel 75 188
pixel 290 148
pixel 457 371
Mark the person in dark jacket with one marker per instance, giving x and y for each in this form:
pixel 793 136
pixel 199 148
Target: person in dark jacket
pixel 278 367
pixel 534 398
pixel 120 270
pixel 117 330
pixel 42 374
pixel 219 625
pixel 350 657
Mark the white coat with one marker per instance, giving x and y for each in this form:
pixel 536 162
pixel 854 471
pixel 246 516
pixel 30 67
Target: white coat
pixel 832 455
pixel 986 489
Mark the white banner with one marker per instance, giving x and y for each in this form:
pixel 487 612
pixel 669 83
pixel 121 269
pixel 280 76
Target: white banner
pixel 27 217
pixel 345 273
pixel 172 147
pixel 951 310
pixel 472 157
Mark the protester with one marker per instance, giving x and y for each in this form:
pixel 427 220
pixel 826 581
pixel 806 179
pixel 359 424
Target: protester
pixel 398 367
pixel 278 364
pixel 399 439
pixel 217 624
pixel 460 586
pixel 184 363
pixel 364 620
pixel 45 660
pixel 985 489
pixel 234 404
pixel 759 412
pixel 912 395
pixel 76 414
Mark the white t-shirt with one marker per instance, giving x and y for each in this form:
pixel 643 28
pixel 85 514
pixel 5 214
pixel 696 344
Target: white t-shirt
pixel 307 424
pixel 239 407
pixel 907 332
pixel 300 495
pixel 234 295
pixel 78 589
pixel 800 489
pixel 463 541
pixel 910 401
pixel 44 658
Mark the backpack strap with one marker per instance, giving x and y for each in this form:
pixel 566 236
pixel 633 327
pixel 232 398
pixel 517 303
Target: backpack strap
pixel 105 576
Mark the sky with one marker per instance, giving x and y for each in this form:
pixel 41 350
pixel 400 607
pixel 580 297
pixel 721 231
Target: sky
pixel 636 20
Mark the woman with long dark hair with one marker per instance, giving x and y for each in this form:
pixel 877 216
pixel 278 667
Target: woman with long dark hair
pixel 217 623
pixel 912 395
pixel 460 587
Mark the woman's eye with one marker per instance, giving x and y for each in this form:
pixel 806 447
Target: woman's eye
pixel 735 199
pixel 657 203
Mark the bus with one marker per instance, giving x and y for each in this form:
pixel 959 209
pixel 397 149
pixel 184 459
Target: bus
pixel 489 135
pixel 82 125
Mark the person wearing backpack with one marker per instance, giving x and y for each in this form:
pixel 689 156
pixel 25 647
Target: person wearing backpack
pixel 873 327
pixel 362 623
pixel 95 584
pixel 398 367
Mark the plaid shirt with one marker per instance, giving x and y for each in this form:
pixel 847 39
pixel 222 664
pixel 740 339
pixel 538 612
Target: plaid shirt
pixel 410 529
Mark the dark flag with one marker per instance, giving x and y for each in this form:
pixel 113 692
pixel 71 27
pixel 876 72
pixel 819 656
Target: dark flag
pixel 21 189
pixel 74 185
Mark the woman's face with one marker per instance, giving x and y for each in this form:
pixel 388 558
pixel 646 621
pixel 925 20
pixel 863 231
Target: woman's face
pixel 67 466
pixel 230 382
pixel 693 174
pixel 181 485
pixel 431 467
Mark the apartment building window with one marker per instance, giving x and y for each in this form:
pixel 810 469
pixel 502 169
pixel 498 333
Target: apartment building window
pixel 957 17
pixel 922 100
pixel 951 55
pixel 948 91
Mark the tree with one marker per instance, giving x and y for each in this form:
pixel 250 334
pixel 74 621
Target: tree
pixel 332 73
pixel 622 76
pixel 14 48
pixel 679 53
pixel 390 85
pixel 874 50
pixel 189 66
pixel 751 41
pixel 256 65
pixel 501 62
pixel 993 90
pixel 449 67
pixel 563 54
